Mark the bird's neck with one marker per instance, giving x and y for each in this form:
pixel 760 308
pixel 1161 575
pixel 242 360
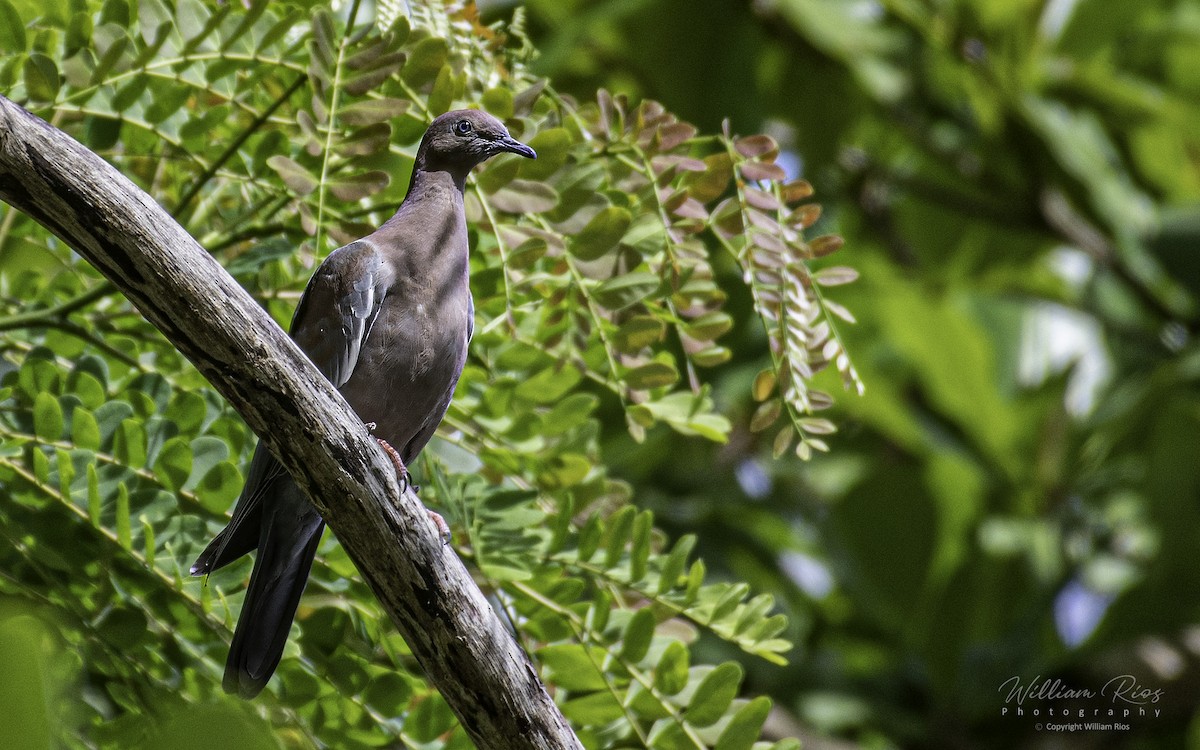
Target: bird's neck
pixel 435 195
pixel 427 177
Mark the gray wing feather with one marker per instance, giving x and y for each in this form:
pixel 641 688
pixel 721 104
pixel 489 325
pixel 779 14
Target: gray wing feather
pixel 332 321
pixel 338 308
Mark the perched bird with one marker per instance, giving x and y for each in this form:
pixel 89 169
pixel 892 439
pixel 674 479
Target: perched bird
pixel 387 319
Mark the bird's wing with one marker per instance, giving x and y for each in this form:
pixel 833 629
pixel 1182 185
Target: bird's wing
pixel 241 534
pixel 333 319
pixel 338 308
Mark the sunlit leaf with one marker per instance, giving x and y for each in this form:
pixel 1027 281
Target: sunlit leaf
pixel 47 417
pixel 601 234
pixel 743 730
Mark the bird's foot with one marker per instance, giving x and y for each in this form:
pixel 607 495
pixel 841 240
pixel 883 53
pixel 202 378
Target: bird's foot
pixel 405 480
pixel 401 471
pixel 441 525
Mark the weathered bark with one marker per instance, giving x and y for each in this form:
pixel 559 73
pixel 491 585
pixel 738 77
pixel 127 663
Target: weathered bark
pixel 459 641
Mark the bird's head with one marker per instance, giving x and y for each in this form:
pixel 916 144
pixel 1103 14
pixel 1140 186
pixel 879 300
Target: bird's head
pixel 459 140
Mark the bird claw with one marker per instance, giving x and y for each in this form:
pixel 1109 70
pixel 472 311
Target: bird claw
pixel 405 480
pixel 442 527
pixel 394 455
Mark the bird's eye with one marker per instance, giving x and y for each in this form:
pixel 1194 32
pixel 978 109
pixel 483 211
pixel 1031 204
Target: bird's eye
pixel 462 127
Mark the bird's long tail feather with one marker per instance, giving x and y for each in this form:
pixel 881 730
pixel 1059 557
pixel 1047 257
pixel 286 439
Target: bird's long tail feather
pixel 285 555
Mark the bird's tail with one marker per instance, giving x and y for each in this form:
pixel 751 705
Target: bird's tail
pixel 290 534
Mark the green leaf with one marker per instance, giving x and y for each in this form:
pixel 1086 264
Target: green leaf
pixel 695 580
pixel 817 426
pixel 709 326
pixel 47 417
pixel 569 666
pixel 620 524
pixel 322 32
pixel 595 709
pixel 445 87
pixel 570 412
pixel 639 547
pixel 366 140
pixel 425 61
pixel 79 33
pixel 714 694
pixel 429 719
pixel 173 465
pixel 524 197
pixel 373 111
pixel 671 673
pixel 88 388
pixel 671 735
pixel 129 443
pixel 187 410
pixel 652 375
pixel 207 452
pixel 601 234
pixel 826 244
pixel 370 78
pixel 152 14
pixel 766 414
pixel 388 692
pixel 499 101
pixel 638 332
pixel 783 441
pixel 12 29
pixel 124 528
pixel 565 470
pixel 743 730
pixel 38 376
pixel 712 356
pixel 41 466
pixel 248 20
pixel 499 173
pixel 589 538
pixel 66 472
pixel 42 80
pixel 646 235
pixel 713 181
pixel 835 276
pixel 115 12
pixel 298 179
pixel 358 186
pixel 689 414
pixel 549 384
pixel 628 289
pixel 638 634
pixel 646 704
pixel 149 545
pixel 85 431
pixel 93 495
pixel 764 384
pixel 219 487
pixel 674 563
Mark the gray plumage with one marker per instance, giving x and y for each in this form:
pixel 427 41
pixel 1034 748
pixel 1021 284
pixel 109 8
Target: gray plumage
pixel 387 319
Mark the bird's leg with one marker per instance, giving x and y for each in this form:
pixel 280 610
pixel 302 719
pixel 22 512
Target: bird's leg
pixel 405 480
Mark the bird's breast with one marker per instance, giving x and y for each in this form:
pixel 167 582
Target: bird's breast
pixel 411 359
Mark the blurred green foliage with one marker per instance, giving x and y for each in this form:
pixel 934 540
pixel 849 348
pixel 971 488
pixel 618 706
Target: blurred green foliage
pixel 274 132
pixel 1017 493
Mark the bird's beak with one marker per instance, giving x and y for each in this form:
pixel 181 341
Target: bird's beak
pixel 513 146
